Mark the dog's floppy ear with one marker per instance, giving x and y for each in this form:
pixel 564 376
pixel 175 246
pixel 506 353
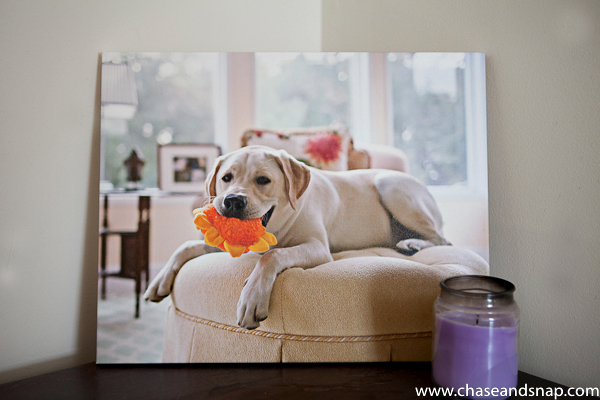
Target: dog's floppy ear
pixel 211 179
pixel 297 176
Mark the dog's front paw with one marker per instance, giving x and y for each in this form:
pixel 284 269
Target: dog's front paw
pixel 253 305
pixel 161 285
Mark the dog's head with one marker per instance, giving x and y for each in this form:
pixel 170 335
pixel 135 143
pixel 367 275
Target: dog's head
pixel 255 180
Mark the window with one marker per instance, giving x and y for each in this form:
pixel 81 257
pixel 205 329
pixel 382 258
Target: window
pixel 175 104
pixel 430 105
pixel 295 90
pixel 438 116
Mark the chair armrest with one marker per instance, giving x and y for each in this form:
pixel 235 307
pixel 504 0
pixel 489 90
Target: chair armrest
pixel 386 157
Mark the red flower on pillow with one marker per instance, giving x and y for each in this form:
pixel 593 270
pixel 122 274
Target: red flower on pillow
pixel 324 147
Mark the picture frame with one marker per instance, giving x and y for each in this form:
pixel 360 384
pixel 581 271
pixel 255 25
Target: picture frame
pixel 182 167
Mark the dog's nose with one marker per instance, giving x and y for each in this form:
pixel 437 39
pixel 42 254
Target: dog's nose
pixel 234 205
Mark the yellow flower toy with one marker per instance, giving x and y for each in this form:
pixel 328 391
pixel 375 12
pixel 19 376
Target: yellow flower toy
pixel 232 235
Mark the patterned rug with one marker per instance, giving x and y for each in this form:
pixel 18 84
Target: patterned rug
pixel 123 338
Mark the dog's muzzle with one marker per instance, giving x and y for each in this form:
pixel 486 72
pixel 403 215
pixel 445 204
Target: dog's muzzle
pixel 234 206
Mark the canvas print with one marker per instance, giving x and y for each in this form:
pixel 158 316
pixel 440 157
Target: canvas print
pixel 286 207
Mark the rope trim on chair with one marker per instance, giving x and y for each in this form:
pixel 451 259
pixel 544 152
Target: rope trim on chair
pixel 302 338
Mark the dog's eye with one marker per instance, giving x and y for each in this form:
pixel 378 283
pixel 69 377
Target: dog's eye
pixel 227 177
pixel 263 180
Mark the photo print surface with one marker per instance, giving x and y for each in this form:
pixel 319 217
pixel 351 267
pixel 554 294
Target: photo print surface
pixel 189 169
pixel 166 120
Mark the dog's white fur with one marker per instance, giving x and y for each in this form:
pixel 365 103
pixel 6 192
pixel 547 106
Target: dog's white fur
pixel 316 213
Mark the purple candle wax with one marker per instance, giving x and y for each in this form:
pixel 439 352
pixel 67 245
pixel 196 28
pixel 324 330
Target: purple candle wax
pixel 474 351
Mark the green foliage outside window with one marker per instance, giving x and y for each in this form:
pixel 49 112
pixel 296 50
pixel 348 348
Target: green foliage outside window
pixel 299 90
pixel 428 105
pixel 175 106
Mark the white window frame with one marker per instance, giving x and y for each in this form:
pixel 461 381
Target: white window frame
pixel 476 124
pixel 221 137
pixel 241 89
pixel 360 98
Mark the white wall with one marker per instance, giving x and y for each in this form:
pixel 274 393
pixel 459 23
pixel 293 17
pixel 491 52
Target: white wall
pixel 544 137
pixel 543 102
pixel 49 147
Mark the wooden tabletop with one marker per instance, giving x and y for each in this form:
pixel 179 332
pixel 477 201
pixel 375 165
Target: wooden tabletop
pixel 235 381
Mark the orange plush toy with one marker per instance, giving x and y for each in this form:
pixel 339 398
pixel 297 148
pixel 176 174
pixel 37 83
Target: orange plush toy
pixel 232 235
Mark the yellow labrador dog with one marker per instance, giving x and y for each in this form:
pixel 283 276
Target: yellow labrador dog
pixel 312 213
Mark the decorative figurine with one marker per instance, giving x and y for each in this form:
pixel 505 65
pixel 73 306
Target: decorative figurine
pixel 134 164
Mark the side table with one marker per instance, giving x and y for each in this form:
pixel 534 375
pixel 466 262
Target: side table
pixel 239 381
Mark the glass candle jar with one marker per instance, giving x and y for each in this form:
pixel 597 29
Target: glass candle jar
pixel 475 337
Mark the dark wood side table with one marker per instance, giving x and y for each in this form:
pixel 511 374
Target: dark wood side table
pixel 237 381
pixel 135 247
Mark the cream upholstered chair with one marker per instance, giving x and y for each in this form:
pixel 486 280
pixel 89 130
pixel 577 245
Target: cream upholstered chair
pixel 367 305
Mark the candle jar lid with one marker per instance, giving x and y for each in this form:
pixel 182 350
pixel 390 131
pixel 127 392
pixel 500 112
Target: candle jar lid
pixel 477 291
